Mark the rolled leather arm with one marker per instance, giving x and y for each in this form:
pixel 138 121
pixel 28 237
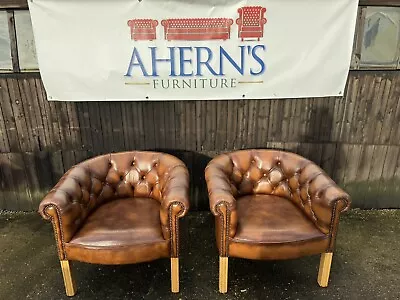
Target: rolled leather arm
pixel 63 204
pixel 222 205
pixel 326 198
pixel 176 189
pixel 174 204
pixel 219 189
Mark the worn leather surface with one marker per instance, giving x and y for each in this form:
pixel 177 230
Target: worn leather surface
pixel 120 225
pixel 272 219
pixel 308 189
pixel 91 184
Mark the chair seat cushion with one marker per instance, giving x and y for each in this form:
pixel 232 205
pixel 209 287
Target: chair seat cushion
pixel 121 231
pixel 272 227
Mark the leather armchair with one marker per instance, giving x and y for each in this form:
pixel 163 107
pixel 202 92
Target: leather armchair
pixel 119 208
pixel 273 205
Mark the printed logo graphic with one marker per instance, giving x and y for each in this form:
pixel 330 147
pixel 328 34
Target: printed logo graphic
pixel 197 29
pixel 191 65
pixel 251 22
pixel 143 29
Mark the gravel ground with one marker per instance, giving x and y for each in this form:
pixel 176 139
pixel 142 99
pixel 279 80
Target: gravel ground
pixel 365 266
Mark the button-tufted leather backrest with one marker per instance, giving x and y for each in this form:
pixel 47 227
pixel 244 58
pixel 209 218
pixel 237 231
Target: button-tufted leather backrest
pixel 278 173
pixel 112 176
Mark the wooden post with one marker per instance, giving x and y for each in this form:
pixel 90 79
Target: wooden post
pixel 174 274
pixel 324 269
pixel 69 283
pixel 223 274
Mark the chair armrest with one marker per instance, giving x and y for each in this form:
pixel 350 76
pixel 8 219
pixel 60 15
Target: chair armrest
pixel 239 21
pixel 326 200
pixel 63 205
pixel 219 189
pixel 174 204
pixel 176 188
pixel 222 205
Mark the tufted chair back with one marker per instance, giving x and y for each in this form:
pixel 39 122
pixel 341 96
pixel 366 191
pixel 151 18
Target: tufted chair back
pixel 113 176
pixel 277 173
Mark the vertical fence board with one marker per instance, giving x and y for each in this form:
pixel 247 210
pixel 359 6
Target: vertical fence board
pixel 4 146
pixel 11 199
pixel 24 135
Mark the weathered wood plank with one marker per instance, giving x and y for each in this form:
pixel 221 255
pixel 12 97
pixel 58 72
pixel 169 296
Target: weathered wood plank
pixel 233 120
pixel 159 118
pixel 221 125
pixel 139 125
pixel 149 126
pixel 395 126
pixel 41 120
pixel 210 125
pixel 106 126
pixel 198 126
pixel 251 127
pixel 84 125
pixel 17 169
pixel 38 174
pixel 349 104
pixel 4 145
pixel 262 122
pixel 24 135
pixel 127 123
pixel 380 2
pixel 383 95
pixel 328 158
pixel 57 166
pixel 49 116
pixel 14 4
pixel 30 111
pixel 68 158
pixel 8 189
pixel 352 164
pixel 388 116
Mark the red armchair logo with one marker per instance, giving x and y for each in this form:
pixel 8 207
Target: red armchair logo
pixel 143 29
pixel 251 22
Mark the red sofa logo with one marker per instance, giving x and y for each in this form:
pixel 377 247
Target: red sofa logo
pixel 250 23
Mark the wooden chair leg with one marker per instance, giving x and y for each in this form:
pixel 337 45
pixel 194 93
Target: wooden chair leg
pixel 174 274
pixel 223 274
pixel 69 283
pixel 324 269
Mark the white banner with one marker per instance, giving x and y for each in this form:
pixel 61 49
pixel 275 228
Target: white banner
pixel 193 49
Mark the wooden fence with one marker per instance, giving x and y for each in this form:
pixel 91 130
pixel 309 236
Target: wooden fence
pixel 355 138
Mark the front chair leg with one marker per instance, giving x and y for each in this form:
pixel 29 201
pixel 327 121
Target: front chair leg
pixel 223 274
pixel 324 269
pixel 174 274
pixel 69 283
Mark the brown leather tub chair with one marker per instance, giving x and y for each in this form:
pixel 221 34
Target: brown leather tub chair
pixel 273 205
pixel 119 208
